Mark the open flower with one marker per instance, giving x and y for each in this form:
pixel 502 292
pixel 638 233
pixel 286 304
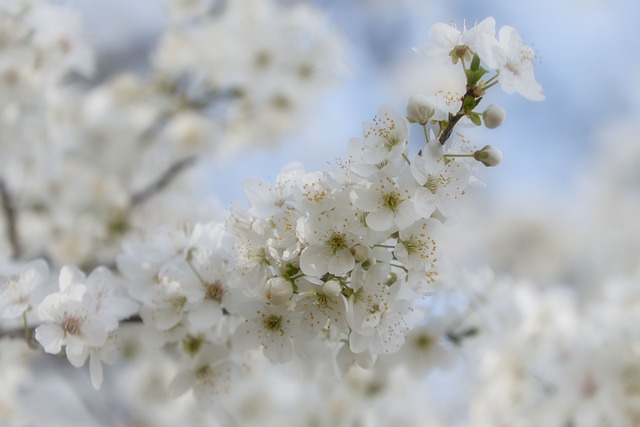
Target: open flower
pixel 17 285
pixel 513 60
pixel 451 44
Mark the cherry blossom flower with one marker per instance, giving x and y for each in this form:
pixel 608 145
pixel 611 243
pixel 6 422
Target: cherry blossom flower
pixel 17 287
pixel 513 60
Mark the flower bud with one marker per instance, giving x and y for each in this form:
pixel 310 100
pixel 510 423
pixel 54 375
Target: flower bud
pixel 420 109
pixel 360 253
pixel 278 290
pixel 488 156
pixel 332 288
pixel 494 116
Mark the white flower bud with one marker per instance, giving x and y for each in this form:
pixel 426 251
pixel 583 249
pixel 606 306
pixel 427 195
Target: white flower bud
pixel 332 288
pixel 360 253
pixel 488 156
pixel 420 109
pixel 278 290
pixel 494 116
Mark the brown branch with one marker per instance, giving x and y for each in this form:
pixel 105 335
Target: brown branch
pixel 446 133
pixel 10 215
pixel 162 182
pixel 19 332
pixel 449 129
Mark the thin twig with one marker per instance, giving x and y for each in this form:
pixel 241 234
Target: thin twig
pixel 162 182
pixel 10 220
pixel 446 133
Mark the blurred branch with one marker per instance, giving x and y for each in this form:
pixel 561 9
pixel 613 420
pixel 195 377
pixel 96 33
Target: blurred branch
pixel 19 332
pixel 9 211
pixel 162 182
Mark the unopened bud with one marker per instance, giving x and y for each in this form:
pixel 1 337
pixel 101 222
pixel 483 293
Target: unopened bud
pixel 332 288
pixel 278 290
pixel 420 109
pixel 360 253
pixel 494 116
pixel 488 156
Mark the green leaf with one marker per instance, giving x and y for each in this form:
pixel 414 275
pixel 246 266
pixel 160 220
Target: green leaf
pixel 475 118
pixel 468 103
pixel 475 63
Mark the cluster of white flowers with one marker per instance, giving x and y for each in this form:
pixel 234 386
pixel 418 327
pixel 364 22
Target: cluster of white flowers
pixel 263 62
pixel 80 166
pixel 332 268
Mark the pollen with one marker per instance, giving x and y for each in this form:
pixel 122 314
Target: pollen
pixel 214 291
pixel 392 201
pixel 71 325
pixel 337 241
pixel 272 323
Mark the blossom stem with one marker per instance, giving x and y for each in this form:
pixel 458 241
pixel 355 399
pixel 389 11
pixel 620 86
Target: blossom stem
pixel 297 276
pixel 27 331
pixel 495 76
pixel 384 246
pixel 404 156
pixel 487 86
pixel 162 182
pixel 426 134
pixel 399 266
pixel 446 133
pixel 9 211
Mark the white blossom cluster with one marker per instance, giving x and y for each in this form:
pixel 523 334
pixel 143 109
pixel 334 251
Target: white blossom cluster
pixel 332 268
pixel 86 166
pixel 262 61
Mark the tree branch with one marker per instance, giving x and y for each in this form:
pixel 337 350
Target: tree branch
pixel 162 182
pixel 9 211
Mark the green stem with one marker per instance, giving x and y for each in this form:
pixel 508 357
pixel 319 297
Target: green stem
pixel 426 134
pixel 384 246
pixel 27 331
pixel 399 266
pixel 495 76
pixel 485 86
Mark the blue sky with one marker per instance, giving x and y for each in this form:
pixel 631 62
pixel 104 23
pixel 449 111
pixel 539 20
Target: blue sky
pixel 588 60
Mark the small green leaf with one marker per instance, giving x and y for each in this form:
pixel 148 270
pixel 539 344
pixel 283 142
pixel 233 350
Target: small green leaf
pixel 468 103
pixel 475 63
pixel 475 118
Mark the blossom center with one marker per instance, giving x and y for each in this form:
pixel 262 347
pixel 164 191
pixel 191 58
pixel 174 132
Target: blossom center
pixel 214 292
pixel 424 341
pixel 391 201
pixel 432 184
pixel 71 325
pixel 337 241
pixel 273 323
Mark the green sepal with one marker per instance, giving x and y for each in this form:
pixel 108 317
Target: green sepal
pixel 475 118
pixel 468 104
pixel 475 63
pixel 474 76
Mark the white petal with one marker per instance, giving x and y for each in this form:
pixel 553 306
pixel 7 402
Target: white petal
pixel 314 260
pixel 341 263
pixel 205 315
pixel 381 220
pixel 50 337
pixel 95 370
pixel 444 35
pixel 182 383
pixel 365 199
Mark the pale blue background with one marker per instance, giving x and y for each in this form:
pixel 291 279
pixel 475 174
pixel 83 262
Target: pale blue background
pixel 588 63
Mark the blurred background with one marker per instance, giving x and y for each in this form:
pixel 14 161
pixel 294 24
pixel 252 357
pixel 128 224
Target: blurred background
pixel 562 207
pixel 587 61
